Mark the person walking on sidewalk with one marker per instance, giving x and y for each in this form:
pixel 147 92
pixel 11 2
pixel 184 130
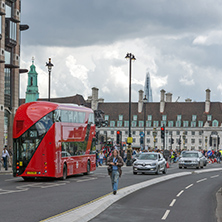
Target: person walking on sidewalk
pixel 5 155
pixel 115 162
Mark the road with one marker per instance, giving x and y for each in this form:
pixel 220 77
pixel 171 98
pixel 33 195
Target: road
pixel 35 201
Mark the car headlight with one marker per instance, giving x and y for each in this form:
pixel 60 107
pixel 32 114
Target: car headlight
pixel 135 164
pixel 181 161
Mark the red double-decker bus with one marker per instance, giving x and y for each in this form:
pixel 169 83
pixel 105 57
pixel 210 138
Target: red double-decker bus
pixel 53 140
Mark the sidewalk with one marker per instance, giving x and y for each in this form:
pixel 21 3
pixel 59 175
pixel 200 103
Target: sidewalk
pixel 3 171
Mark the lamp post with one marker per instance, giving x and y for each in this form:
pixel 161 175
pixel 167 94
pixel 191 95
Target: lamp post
pixel 129 140
pixel 50 65
pixel 144 120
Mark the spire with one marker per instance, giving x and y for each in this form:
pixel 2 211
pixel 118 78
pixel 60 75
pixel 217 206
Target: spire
pixel 148 89
pixel 32 93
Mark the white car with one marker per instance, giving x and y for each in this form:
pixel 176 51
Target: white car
pixel 150 162
pixel 192 159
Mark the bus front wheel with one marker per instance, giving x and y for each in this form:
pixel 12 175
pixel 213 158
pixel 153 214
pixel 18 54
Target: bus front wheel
pixel 64 176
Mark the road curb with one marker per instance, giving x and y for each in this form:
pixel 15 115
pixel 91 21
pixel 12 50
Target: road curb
pixel 90 210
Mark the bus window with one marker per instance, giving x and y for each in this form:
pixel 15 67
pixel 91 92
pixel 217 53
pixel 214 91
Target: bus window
pixel 91 118
pixel 64 116
pixel 57 116
pixel 81 117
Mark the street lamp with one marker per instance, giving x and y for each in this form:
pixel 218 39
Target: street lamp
pixel 144 120
pixel 50 65
pixel 129 140
pixel 130 57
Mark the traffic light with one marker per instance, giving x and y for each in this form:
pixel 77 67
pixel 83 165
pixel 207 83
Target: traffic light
pixel 141 140
pixel 102 139
pixel 172 141
pixel 179 142
pixel 218 140
pixel 118 137
pixel 162 132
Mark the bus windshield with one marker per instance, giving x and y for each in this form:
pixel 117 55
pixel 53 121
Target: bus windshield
pixel 27 144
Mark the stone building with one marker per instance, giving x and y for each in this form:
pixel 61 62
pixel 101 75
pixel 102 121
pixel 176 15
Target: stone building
pixel 196 124
pixel 10 29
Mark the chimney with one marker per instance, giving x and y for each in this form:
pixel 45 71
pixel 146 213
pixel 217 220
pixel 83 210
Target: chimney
pixel 162 100
pixel 188 100
pixel 140 102
pixel 207 102
pixel 169 97
pixel 94 101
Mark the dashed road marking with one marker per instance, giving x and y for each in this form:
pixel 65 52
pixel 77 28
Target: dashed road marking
pixel 165 215
pixel 173 202
pixel 180 193
pixel 188 186
pixel 199 181
pixel 214 176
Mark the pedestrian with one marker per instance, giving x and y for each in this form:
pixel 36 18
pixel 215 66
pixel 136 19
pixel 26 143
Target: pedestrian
pixel 5 156
pixel 115 162
pixel 218 154
pixel 101 156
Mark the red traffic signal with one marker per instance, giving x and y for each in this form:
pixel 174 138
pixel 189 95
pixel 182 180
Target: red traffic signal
pixel 118 132
pixel 162 129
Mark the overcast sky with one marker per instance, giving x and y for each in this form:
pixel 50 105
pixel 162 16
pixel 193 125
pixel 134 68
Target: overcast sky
pixel 178 42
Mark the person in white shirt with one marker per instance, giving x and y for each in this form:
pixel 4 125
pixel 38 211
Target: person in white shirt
pixel 5 155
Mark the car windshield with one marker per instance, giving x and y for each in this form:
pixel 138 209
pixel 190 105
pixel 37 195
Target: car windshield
pixel 192 155
pixel 147 157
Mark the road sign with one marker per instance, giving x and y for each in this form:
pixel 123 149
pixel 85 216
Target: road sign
pixel 141 134
pixel 129 139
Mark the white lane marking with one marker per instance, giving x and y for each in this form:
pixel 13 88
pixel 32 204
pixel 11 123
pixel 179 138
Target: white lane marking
pixel 12 179
pixel 214 176
pixel 189 186
pixel 201 180
pixel 173 202
pixel 93 178
pixel 180 193
pixel 165 215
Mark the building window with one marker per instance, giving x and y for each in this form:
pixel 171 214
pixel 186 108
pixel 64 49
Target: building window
pixel 126 132
pixel 133 123
pixel 0 24
pixel 200 133
pixel 141 123
pixel 134 140
pixel 193 124
pixel 106 117
pixel 209 117
pixel 119 123
pixel 134 132
pixel 126 123
pixel 193 133
pixel 200 141
pixel 7 97
pixel 155 123
pixel 148 140
pixel 8 55
pixel 200 123
pixel 170 133
pixel 194 117
pixel 179 117
pixel 178 132
pixel 163 123
pixel 164 117
pixel 148 123
pixel 185 123
pixel 120 117
pixel 170 123
pixel 112 123
pixel 178 123
pixel 215 123
pixel 149 117
pixel 148 133
pixel 135 117
pixel 192 141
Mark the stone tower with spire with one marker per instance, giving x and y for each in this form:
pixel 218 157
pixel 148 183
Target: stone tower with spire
pixel 32 92
pixel 147 88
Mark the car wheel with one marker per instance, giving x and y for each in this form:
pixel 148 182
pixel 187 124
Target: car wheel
pixel 134 172
pixel 165 170
pixel 198 166
pixel 180 167
pixel 185 167
pixel 158 170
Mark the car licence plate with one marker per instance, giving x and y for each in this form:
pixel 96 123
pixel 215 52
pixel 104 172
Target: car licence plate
pixel 31 172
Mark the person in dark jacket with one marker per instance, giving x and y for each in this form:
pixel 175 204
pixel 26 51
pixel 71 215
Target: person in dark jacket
pixel 115 162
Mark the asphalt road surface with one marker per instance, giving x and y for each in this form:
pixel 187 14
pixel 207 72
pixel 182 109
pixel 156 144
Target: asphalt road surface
pixel 41 199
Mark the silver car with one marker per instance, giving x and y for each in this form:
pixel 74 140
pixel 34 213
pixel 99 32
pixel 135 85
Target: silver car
pixel 150 162
pixel 192 159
